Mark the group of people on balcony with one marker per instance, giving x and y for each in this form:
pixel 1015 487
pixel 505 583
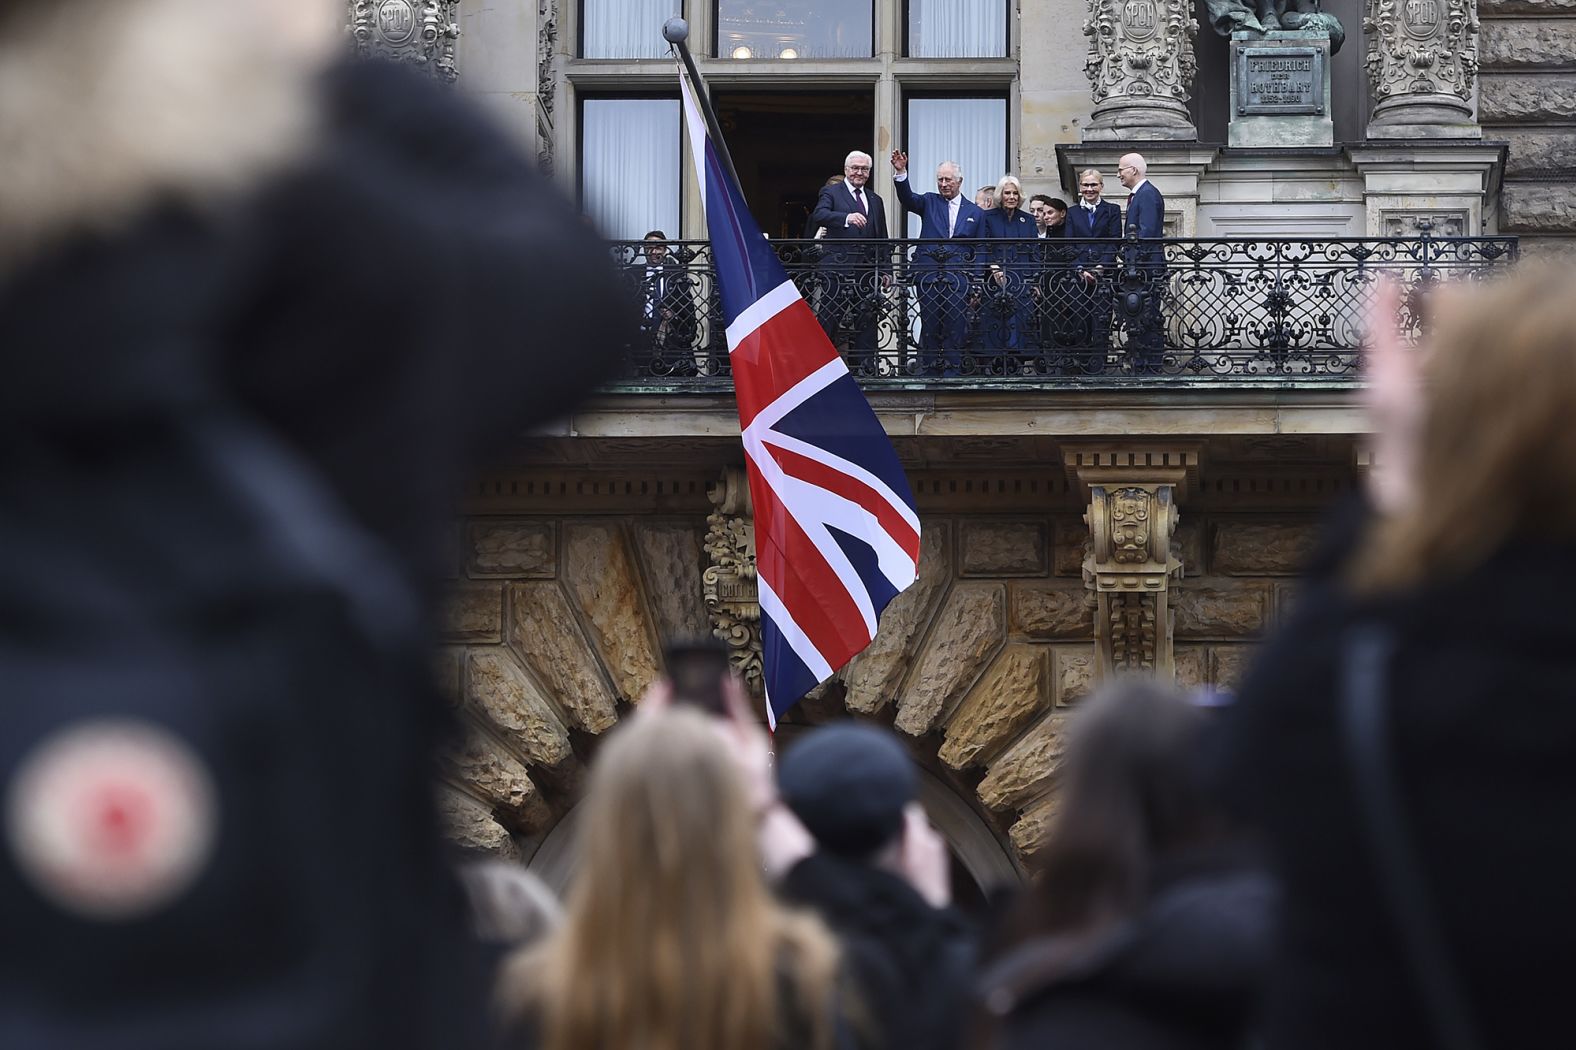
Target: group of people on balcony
pixel 994 302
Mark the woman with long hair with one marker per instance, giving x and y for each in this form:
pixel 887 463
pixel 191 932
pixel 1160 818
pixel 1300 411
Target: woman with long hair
pixel 1148 927
pixel 1407 743
pixel 672 939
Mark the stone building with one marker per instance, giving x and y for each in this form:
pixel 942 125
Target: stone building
pixel 1071 529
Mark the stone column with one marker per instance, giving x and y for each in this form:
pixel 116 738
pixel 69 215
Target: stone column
pixel 1422 60
pixel 421 32
pixel 1140 69
pixel 1132 517
pixel 728 583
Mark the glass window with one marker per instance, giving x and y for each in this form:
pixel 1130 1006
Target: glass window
pixel 625 28
pixel 795 28
pixel 957 28
pixel 629 165
pixel 970 131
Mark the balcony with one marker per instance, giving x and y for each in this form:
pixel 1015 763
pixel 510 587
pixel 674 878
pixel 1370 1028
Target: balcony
pixel 1226 314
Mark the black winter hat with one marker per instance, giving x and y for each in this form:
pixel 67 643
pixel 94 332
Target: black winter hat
pixel 848 784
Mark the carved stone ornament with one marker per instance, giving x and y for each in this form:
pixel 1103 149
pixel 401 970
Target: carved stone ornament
pixel 421 32
pixel 1140 67
pixel 728 583
pixel 1130 566
pixel 546 47
pixel 1422 61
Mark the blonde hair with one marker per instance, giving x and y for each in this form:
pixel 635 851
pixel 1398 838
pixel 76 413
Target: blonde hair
pixel 672 940
pixel 1496 452
pixel 1009 180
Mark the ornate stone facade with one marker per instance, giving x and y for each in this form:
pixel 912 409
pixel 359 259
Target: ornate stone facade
pixel 421 32
pixel 1140 68
pixel 1422 62
pixel 729 584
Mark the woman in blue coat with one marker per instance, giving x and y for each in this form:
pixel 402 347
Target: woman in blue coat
pixel 1007 303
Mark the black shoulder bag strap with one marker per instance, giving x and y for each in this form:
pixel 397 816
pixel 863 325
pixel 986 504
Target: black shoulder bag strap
pixel 1365 732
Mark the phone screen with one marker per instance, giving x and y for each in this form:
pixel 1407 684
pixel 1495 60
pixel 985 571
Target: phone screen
pixel 698 673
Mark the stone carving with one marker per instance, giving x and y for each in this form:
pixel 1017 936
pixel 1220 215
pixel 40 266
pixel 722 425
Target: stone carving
pixel 599 572
pixel 470 826
pixel 728 582
pixel 1026 768
pixel 421 32
pixel 546 47
pixel 1129 567
pixel 1012 691
pixel 1266 16
pixel 1140 68
pixel 1422 61
pixel 873 675
pixel 1132 630
pixel 545 635
pixel 966 634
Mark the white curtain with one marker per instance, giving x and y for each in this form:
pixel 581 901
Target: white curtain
pixel 971 131
pixel 626 28
pixel 629 165
pixel 957 29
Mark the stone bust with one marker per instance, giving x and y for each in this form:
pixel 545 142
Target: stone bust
pixel 1264 16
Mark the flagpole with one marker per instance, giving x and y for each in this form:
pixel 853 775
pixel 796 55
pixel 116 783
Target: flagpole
pixel 676 31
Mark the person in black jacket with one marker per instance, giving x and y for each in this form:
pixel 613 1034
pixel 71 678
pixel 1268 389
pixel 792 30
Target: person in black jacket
pixel 879 879
pixel 213 225
pixel 1453 565
pixel 1149 929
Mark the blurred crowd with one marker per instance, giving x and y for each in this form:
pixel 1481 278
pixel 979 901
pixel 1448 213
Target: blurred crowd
pixel 248 363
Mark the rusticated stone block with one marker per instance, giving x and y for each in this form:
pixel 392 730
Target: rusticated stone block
pixel 1074 673
pixel 543 632
pixel 1527 7
pixel 1527 44
pixel 1072 543
pixel 1013 690
pixel 1548 251
pixel 470 826
pixel 1218 612
pixel 1188 542
pixel 472 612
pixel 1525 98
pixel 873 676
pixel 1192 666
pixel 1243 548
pixel 672 556
pixel 502 693
pixel 1003 548
pixel 1025 770
pixel 1227 662
pixel 480 763
pixel 600 573
pixel 1539 207
pixel 1056 611
pixel 967 631
pixel 1028 835
pixel 446 665
pixel 511 548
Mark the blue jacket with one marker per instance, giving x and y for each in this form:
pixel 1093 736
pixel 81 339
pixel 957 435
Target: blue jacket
pixel 1146 215
pixel 997 225
pixel 932 211
pixel 1106 222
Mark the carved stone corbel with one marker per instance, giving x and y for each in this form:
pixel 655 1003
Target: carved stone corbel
pixel 421 32
pixel 1132 517
pixel 728 583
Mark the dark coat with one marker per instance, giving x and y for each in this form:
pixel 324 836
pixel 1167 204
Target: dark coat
pixel 390 305
pixel 1105 222
pixel 1145 218
pixel 832 209
pixel 933 209
pixel 1185 974
pixel 1482 700
pixel 911 963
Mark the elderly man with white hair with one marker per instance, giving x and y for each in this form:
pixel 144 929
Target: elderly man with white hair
pixel 851 297
pixel 1146 214
pixel 939 275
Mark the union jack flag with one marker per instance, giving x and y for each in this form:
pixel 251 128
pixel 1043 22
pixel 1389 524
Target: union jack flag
pixel 836 533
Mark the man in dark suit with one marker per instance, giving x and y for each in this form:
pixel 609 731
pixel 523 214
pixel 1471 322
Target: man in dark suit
pixel 853 275
pixel 667 309
pixel 1145 272
pixel 1093 218
pixel 941 276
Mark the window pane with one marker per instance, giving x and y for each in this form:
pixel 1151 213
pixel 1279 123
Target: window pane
pixel 629 165
pixel 794 28
pixel 971 131
pixel 626 28
pixel 957 28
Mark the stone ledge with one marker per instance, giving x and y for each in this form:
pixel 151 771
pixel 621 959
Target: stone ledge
pixel 1535 152
pixel 1538 207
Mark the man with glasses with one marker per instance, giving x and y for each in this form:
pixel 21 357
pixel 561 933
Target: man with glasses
pixel 853 277
pixel 941 274
pixel 1145 272
pixel 1093 219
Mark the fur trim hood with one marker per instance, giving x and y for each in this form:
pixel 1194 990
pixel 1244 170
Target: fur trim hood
pixel 108 107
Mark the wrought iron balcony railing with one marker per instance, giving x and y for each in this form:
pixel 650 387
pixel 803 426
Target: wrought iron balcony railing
pixel 1059 311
